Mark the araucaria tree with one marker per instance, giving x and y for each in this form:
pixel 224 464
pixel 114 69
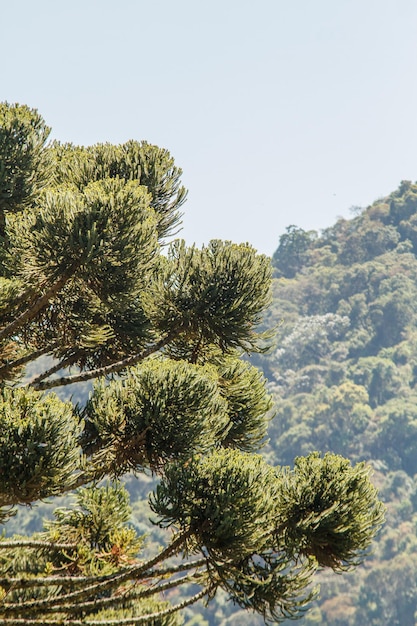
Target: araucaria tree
pixel 92 290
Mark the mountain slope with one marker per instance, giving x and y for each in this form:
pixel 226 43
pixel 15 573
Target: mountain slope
pixel 344 377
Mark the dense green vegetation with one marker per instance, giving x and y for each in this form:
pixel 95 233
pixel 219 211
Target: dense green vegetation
pixel 91 291
pixel 344 379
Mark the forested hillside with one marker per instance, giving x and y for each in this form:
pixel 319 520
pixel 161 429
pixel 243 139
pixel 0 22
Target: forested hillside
pixel 344 377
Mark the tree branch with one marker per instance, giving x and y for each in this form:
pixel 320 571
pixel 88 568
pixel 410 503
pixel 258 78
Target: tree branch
pixel 50 371
pixel 32 356
pixel 130 621
pixel 36 544
pixel 108 582
pixel 27 296
pixel 72 581
pixel 37 306
pixel 113 368
pixel 110 602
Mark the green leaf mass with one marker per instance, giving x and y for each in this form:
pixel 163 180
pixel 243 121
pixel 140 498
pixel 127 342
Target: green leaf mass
pixel 145 342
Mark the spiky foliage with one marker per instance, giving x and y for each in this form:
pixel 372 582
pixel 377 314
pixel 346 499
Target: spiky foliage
pixel 329 510
pixel 39 449
pixel 24 170
pixel 86 284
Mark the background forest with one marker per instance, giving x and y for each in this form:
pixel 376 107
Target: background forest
pixel 344 377
pixel 343 374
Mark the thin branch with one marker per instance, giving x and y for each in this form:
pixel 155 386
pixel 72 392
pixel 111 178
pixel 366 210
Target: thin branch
pixel 182 567
pixel 170 611
pixel 32 356
pixel 47 581
pixel 50 371
pixel 72 581
pixel 37 306
pixel 113 368
pixel 26 297
pixel 113 601
pixel 130 621
pixel 108 582
pixel 36 544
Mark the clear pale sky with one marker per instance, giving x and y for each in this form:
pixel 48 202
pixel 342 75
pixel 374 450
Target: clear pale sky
pixel 279 111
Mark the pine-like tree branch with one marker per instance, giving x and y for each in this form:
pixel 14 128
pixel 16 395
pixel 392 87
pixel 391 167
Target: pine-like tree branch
pixel 50 545
pixel 112 601
pixel 130 621
pixel 113 368
pixel 28 358
pixel 55 368
pixel 41 302
pixel 73 581
pixel 26 297
pixel 109 582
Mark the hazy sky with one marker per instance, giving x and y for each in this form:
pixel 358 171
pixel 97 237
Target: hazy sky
pixel 279 111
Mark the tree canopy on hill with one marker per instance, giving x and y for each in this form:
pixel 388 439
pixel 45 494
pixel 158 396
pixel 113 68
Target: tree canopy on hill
pixel 87 279
pixel 344 380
